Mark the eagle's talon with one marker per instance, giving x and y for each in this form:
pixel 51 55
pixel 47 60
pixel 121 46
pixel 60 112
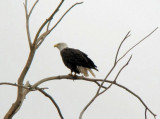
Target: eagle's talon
pixel 75 75
pixel 70 74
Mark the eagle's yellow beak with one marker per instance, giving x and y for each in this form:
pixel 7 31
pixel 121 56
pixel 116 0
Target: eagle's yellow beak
pixel 55 45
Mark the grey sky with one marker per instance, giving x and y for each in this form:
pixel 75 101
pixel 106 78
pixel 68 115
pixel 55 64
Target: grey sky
pixel 97 28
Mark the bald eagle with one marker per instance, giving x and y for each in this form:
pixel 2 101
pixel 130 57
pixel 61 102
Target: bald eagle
pixel 76 60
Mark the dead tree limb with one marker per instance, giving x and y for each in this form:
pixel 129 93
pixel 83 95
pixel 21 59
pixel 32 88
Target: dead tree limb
pixel 52 100
pixel 81 78
pixel 116 76
pixel 22 93
pixel 14 84
pixel 48 31
pixel 113 67
pixel 136 44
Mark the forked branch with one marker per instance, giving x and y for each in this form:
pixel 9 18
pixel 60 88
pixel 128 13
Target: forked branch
pixel 48 31
pixel 116 76
pixel 28 14
pixel 81 78
pixel 127 35
pixel 20 93
pixel 113 67
pixel 62 77
pixel 115 62
pixel 45 22
pixel 136 44
pixel 99 93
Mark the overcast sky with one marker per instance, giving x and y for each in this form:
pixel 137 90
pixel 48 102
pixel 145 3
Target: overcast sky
pixel 96 28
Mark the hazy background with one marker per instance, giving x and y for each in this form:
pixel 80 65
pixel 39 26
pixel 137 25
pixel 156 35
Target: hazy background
pixel 96 28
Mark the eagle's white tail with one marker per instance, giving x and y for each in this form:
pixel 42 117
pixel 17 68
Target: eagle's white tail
pixel 90 70
pixel 84 71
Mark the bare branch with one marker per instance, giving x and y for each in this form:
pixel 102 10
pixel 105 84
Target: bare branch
pixel 115 63
pixel 91 80
pixel 127 35
pixel 48 25
pixel 136 97
pixel 90 102
pixel 137 44
pixel 27 25
pixel 64 77
pixel 14 84
pixel 53 101
pixel 106 78
pixel 99 93
pixel 33 8
pixel 45 22
pixel 16 105
pixel 99 85
pixel 25 8
pixel 64 15
pixel 40 39
pixel 29 88
pixel 146 113
pixel 116 76
pixel 123 68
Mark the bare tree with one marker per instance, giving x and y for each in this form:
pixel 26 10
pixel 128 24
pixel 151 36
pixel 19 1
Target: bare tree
pixel 34 44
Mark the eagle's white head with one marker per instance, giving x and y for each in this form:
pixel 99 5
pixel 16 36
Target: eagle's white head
pixel 61 46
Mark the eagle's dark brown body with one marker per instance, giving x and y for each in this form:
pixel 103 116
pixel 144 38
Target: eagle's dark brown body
pixel 73 58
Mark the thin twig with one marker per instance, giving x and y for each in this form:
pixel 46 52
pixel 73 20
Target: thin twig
pixel 136 97
pixel 46 21
pixel 22 86
pixel 53 101
pixel 40 40
pixel 137 44
pixel 48 25
pixel 33 8
pixel 14 84
pixel 115 62
pixel 117 75
pixel 64 15
pixel 146 113
pixel 99 93
pixel 27 24
pixel 99 85
pixel 123 68
pixel 85 108
pixel 127 35
pixel 106 78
